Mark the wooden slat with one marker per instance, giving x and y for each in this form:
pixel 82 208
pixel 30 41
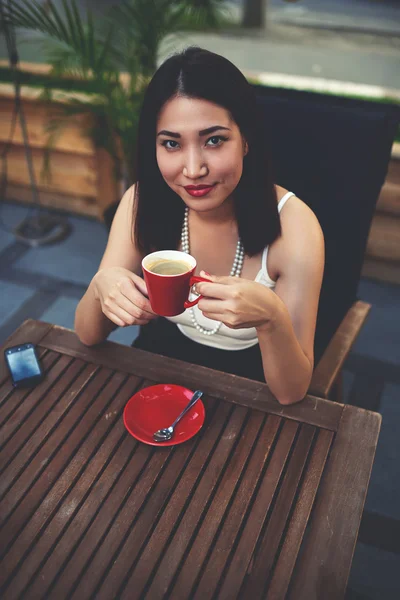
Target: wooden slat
pixel 108 527
pixel 208 481
pixel 384 237
pixel 337 512
pixel 30 331
pixel 72 547
pixel 74 559
pixel 70 174
pixel 222 385
pixel 338 350
pixel 39 68
pixel 233 516
pixel 94 428
pixel 34 448
pixel 389 199
pixel 287 556
pixel 38 475
pixel 135 522
pixel 34 94
pixel 73 202
pixel 266 552
pixel 393 174
pixel 72 500
pixel 38 114
pixel 111 479
pixel 241 554
pixel 150 496
pixel 108 190
pixel 28 414
pixel 212 495
pixel 388 272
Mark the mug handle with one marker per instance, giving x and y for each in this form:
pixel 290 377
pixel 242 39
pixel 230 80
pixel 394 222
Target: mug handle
pixel 195 279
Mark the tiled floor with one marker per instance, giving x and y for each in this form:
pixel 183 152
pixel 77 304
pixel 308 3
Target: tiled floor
pixel 47 282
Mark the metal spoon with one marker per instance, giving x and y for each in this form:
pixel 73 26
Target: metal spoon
pixel 163 435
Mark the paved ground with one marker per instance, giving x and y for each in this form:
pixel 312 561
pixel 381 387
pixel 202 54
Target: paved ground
pixel 356 58
pixel 301 39
pixel 374 16
pixel 357 41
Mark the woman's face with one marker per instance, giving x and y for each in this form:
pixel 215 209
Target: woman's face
pixel 200 151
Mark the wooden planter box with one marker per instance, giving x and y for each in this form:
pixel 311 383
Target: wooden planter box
pixel 83 179
pixel 382 259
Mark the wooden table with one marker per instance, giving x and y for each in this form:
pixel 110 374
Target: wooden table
pixel 265 502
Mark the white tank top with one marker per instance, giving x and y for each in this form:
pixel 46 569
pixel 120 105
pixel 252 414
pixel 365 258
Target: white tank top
pixel 226 338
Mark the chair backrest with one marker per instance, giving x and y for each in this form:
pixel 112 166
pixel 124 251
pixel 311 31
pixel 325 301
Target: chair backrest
pixel 333 153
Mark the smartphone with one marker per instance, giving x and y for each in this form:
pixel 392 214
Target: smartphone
pixel 24 366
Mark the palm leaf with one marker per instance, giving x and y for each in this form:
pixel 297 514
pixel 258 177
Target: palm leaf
pixel 77 23
pixel 91 42
pixel 66 28
pixel 32 15
pixel 203 14
pixel 59 22
pixel 143 24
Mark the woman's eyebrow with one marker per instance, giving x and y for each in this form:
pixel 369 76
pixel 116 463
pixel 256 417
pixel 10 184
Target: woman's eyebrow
pixel 201 133
pixel 212 130
pixel 169 133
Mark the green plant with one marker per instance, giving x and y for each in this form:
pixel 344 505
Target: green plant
pixel 96 51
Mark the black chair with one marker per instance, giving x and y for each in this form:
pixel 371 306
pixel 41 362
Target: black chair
pixel 334 154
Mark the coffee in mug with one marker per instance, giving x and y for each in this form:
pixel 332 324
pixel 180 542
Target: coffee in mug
pixel 169 278
pixel 163 266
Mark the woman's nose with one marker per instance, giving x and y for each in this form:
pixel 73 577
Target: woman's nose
pixel 195 166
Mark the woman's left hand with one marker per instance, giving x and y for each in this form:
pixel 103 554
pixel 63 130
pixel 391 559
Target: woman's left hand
pixel 238 303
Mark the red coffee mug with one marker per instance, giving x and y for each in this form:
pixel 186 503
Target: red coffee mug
pixel 169 294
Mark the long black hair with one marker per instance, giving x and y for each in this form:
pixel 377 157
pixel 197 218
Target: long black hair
pixel 159 211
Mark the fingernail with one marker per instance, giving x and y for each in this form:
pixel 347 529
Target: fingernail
pixel 208 274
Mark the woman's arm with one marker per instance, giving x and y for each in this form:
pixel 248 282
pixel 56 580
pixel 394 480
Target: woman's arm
pixel 91 324
pixel 287 339
pixel 285 319
pixel 287 366
pixel 116 295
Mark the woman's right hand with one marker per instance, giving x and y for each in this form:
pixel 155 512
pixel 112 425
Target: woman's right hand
pixel 122 296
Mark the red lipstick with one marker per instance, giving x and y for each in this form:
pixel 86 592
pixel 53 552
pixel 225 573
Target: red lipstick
pixel 198 190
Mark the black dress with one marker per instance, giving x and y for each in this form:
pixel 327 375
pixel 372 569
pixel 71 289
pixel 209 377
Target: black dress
pixel 163 337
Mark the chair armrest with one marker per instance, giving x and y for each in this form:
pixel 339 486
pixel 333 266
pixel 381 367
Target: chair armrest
pixel 330 365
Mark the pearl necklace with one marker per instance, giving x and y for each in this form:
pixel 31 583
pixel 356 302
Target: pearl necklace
pixel 235 271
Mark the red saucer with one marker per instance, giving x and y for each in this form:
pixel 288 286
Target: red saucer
pixel 157 406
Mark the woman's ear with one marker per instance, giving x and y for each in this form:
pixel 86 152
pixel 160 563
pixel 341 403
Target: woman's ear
pixel 245 147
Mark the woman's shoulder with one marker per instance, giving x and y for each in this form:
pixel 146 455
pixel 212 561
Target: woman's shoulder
pixel 121 249
pixel 129 196
pixel 301 233
pixel 294 209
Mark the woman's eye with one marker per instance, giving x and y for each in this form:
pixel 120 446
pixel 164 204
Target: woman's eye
pixel 170 144
pixel 216 140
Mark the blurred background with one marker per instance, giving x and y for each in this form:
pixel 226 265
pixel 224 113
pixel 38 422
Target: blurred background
pixel 71 84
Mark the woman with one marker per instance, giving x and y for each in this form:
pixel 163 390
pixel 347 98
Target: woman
pixel 204 186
